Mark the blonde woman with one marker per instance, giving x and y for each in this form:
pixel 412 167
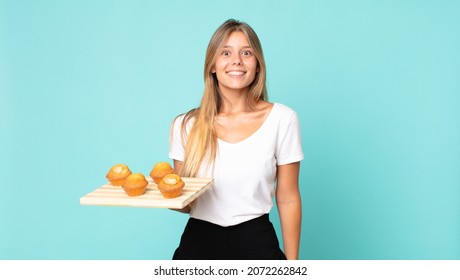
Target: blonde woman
pixel 252 149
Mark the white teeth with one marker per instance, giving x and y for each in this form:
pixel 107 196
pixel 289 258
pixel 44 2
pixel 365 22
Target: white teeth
pixel 236 73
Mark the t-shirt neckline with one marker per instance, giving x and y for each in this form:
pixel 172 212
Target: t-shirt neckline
pixel 255 132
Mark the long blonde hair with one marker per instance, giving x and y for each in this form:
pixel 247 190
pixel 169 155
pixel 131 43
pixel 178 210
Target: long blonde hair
pixel 201 142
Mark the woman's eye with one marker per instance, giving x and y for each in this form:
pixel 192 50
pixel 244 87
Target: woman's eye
pixel 225 53
pixel 247 53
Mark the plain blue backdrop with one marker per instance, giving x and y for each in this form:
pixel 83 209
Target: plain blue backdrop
pixel 87 84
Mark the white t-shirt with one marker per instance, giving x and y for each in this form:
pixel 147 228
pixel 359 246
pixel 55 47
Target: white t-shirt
pixel 245 172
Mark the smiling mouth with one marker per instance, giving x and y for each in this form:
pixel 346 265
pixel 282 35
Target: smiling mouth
pixel 236 73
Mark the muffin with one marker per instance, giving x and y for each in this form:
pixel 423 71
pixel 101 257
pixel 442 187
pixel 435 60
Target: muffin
pixel 117 174
pixel 171 186
pixel 160 170
pixel 135 184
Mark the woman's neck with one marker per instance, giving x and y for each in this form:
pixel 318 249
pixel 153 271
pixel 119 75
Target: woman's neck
pixel 234 102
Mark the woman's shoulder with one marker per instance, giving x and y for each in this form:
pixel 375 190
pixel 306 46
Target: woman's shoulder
pixel 265 105
pixel 282 109
pixel 185 119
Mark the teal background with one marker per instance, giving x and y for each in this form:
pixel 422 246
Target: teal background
pixel 87 84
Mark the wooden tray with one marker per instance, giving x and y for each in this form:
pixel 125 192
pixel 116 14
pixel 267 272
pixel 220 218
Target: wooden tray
pixel 108 195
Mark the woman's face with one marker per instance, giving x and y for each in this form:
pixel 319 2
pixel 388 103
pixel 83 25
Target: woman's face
pixel 236 65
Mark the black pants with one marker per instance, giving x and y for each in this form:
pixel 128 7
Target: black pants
pixel 252 240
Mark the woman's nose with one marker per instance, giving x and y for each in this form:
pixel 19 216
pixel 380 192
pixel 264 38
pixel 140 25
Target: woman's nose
pixel 237 60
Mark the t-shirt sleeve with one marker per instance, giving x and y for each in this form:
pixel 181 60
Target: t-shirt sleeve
pixel 289 145
pixel 176 143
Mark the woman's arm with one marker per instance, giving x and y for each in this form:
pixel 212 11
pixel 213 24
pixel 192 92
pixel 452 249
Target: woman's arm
pixel 177 166
pixel 177 169
pixel 289 207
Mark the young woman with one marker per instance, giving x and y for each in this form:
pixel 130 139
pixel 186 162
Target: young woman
pixel 247 145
